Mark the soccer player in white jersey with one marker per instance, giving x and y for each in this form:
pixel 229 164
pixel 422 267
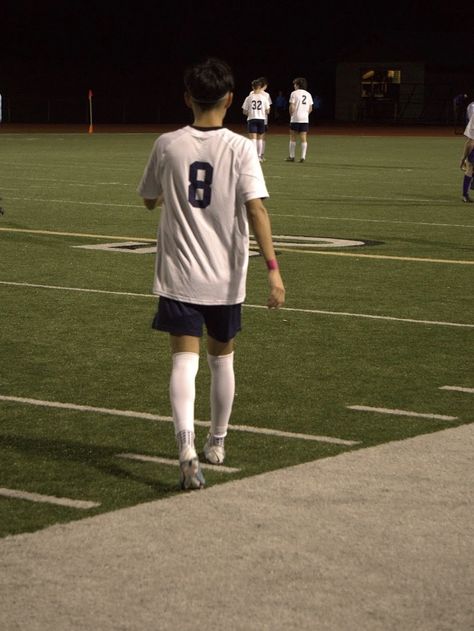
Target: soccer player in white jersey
pixel 256 109
pixel 467 161
pixel 269 99
pixel 211 186
pixel 301 106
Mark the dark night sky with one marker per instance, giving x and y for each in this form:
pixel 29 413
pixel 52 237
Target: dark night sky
pixel 118 48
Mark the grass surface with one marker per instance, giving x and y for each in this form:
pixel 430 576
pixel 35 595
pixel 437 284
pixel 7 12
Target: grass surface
pixel 297 370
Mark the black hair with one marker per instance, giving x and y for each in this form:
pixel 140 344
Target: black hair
pixel 257 83
pixel 208 81
pixel 301 83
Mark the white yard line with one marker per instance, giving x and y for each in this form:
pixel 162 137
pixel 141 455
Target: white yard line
pixel 168 419
pixel 174 463
pixel 79 234
pixel 458 389
pixel 75 201
pixel 386 257
pixel 47 499
pixel 390 221
pixel 248 306
pixel 366 408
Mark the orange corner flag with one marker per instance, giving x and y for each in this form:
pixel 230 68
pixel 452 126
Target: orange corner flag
pixel 91 125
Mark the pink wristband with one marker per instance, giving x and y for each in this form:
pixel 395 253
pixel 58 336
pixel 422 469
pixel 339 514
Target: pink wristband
pixel 272 264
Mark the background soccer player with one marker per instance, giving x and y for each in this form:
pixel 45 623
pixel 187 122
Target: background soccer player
pixel 211 185
pixel 301 106
pixel 256 107
pixel 467 161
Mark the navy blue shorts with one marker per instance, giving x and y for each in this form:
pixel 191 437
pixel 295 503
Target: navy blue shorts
pixel 222 322
pixel 256 126
pixel 470 157
pixel 299 127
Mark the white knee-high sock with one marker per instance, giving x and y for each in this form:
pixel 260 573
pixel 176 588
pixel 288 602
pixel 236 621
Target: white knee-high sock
pixel 222 392
pixel 182 395
pixel 292 147
pixel 259 146
pixel 304 148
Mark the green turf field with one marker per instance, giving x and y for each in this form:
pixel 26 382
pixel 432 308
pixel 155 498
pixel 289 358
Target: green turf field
pixel 382 326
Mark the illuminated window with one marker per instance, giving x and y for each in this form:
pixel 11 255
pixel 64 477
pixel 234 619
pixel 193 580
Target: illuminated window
pixel 380 83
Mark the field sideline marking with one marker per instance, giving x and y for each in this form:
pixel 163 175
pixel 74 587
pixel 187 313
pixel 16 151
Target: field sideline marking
pixel 75 201
pixel 366 408
pixel 175 463
pixel 80 234
pixel 458 389
pixel 382 257
pixel 168 419
pixel 409 223
pixel 387 257
pixel 47 499
pixel 248 306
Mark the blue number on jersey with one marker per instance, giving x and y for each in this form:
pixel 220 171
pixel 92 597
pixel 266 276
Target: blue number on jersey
pixel 199 191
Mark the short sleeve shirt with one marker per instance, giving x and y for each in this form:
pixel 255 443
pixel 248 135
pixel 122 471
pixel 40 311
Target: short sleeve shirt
pixel 205 178
pixel 301 100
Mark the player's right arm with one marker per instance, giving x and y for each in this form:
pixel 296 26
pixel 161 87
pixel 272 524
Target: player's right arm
pixel 261 228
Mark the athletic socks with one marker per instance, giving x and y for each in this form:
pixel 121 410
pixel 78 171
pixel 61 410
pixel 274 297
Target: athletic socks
pixel 259 147
pixel 222 393
pixel 466 185
pixel 304 147
pixel 292 148
pixel 183 392
pixel 182 395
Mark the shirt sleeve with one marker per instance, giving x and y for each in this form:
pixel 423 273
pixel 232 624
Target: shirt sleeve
pixel 469 131
pixel 150 184
pixel 251 181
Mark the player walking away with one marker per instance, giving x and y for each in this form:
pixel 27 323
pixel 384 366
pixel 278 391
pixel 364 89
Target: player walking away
pixel 269 99
pixel 211 186
pixel 256 108
pixel 301 106
pixel 467 161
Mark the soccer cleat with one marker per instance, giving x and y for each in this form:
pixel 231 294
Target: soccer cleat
pixel 191 476
pixel 214 454
pixel 466 199
pixel 290 159
pixel 302 160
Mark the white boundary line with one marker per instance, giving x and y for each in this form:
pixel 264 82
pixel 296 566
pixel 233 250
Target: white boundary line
pixel 174 463
pixel 390 221
pixel 248 306
pixel 365 408
pixel 458 389
pixel 168 419
pixel 386 257
pixel 47 499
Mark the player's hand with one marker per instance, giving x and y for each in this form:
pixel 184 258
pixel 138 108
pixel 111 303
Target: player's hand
pixel 462 166
pixel 277 290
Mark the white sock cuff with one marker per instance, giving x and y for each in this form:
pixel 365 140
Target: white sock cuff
pixel 185 356
pixel 215 360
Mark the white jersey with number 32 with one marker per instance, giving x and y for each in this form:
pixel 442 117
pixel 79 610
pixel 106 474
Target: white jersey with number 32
pixel 205 177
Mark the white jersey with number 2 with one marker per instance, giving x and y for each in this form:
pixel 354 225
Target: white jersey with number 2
pixel 205 177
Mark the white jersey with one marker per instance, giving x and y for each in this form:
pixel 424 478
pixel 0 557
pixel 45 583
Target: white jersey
pixel 269 104
pixel 205 178
pixel 469 131
pixel 302 101
pixel 256 106
pixel 470 110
